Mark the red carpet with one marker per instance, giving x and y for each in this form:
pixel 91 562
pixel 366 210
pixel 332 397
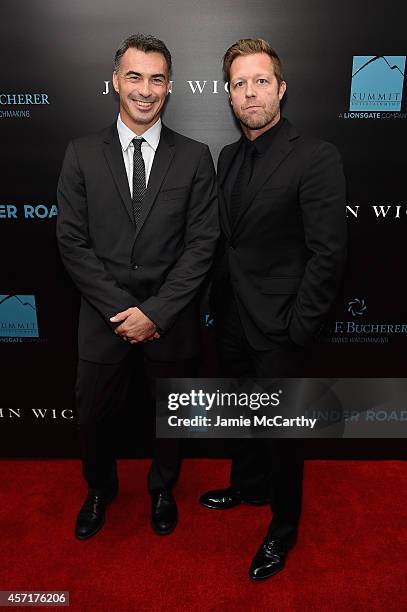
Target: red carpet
pixel 351 555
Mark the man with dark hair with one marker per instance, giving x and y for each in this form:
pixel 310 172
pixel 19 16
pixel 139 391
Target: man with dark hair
pixel 137 228
pixel 283 247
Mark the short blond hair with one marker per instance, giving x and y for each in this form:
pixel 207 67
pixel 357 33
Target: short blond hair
pixel 247 46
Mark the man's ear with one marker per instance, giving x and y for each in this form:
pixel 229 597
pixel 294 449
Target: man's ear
pixel 282 89
pixel 228 90
pixel 115 82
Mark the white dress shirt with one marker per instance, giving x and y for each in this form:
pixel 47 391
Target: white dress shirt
pixel 148 148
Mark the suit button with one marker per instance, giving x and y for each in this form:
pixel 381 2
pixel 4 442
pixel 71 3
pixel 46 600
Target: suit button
pixel 232 246
pixel 135 266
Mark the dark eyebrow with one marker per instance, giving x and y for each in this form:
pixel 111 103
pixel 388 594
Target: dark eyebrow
pixel 134 73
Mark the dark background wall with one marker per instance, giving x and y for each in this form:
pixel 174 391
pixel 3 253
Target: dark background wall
pixel 63 51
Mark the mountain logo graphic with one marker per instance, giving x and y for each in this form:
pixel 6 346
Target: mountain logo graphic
pixel 377 82
pixel 18 316
pixel 357 307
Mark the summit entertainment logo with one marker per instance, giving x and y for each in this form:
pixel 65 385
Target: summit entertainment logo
pixel 377 82
pixel 376 87
pixel 18 317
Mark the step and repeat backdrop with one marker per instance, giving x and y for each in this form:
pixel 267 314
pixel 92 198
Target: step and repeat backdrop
pixel 344 64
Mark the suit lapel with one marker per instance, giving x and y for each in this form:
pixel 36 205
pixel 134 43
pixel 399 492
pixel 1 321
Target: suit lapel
pixel 224 212
pixel 266 165
pixel 226 159
pixel 162 160
pixel 114 156
pixel 225 162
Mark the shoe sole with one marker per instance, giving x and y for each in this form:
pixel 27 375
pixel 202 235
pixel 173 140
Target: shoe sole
pixel 90 535
pixel 243 501
pixel 260 578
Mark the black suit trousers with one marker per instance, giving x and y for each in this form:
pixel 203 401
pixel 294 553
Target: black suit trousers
pixel 102 391
pixel 267 466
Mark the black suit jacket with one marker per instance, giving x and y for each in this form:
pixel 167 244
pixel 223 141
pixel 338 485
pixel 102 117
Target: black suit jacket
pixel 285 253
pixel 159 266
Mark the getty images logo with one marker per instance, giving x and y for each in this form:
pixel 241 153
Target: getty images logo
pixel 376 87
pixel 18 317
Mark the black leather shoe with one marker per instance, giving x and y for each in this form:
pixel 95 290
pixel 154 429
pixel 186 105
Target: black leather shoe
pixel 223 499
pixel 271 556
pixel 164 513
pixel 91 516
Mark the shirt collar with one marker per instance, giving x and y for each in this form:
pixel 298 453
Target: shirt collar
pixel 262 143
pixel 151 136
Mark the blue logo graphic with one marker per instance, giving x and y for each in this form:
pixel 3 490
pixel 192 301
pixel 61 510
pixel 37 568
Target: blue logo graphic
pixel 377 82
pixel 208 321
pixel 18 316
pixel 28 211
pixel 357 307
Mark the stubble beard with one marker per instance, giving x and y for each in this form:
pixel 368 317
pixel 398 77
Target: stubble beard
pixel 258 122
